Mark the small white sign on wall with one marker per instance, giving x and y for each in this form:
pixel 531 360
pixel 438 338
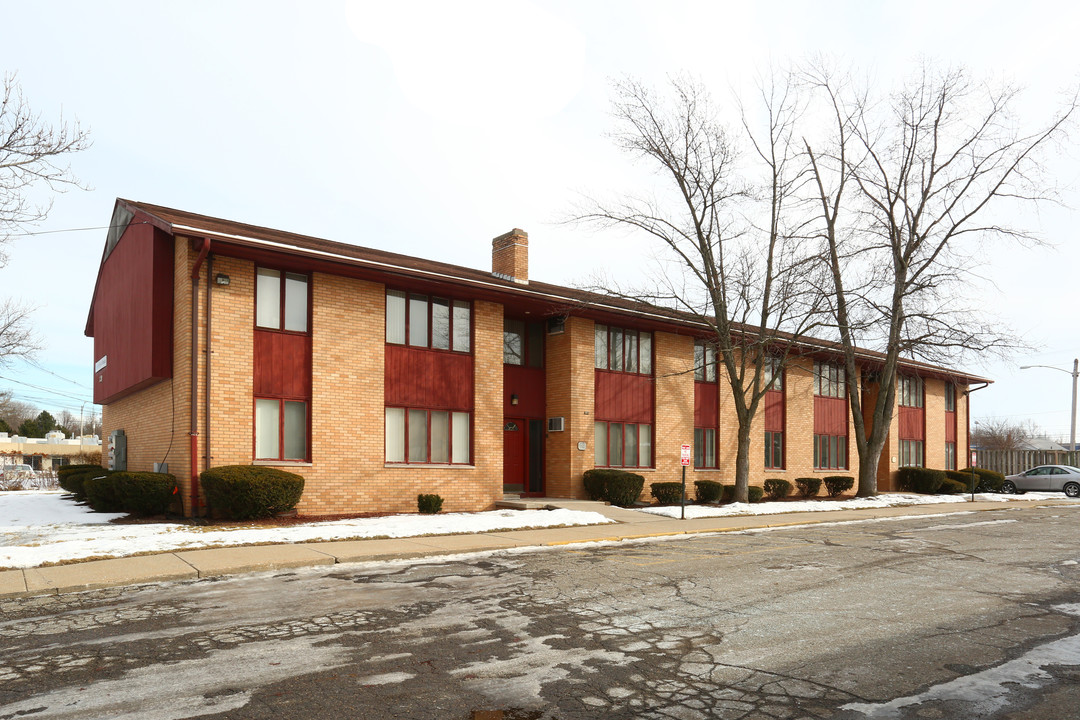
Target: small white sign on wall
pixel 100 364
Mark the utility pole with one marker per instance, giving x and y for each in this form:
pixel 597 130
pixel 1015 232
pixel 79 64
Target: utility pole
pixel 1075 374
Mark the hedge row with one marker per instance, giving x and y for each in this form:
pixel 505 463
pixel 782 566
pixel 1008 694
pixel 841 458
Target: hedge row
pixel 617 487
pixel 929 481
pixel 73 477
pixel 247 492
pixel 137 493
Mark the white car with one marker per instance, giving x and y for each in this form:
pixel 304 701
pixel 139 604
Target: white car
pixel 1045 478
pixel 18 472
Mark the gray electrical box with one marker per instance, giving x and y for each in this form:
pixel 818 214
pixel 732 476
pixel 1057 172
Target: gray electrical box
pixel 117 450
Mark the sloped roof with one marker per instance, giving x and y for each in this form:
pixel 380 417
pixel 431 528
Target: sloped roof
pixel 565 299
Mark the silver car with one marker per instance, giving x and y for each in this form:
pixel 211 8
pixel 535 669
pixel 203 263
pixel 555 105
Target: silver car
pixel 1047 478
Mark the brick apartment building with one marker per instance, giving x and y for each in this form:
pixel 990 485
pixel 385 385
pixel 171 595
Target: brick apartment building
pixel 378 376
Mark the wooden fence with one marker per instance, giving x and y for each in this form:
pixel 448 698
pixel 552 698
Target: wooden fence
pixel 1010 462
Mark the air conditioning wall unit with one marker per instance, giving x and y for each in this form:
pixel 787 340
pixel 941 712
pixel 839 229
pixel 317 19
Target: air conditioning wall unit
pixel 556 424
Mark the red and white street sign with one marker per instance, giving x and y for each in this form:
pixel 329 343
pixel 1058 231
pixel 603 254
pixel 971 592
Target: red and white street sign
pixel 685 457
pixel 974 460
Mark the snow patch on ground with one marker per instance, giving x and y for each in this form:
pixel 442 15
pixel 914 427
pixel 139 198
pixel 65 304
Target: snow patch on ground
pixel 37 527
pixel 880 501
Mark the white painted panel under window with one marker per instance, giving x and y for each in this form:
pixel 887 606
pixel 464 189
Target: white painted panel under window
pixel 268 298
pixel 266 429
pixel 296 301
pixel 395 434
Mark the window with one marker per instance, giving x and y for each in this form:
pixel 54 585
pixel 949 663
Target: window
pixel 950 397
pixel 623 444
pixel 829 380
pixel 830 452
pixel 950 456
pixel 428 322
pixel 281 429
pixel 911 453
pixel 523 343
pixel 429 437
pixel 772 374
pixel 911 391
pixel 704 361
pixel 281 300
pixel 623 350
pixel 774 450
pixel 704 447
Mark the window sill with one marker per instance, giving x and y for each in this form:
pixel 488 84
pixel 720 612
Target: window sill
pixel 428 466
pixel 283 463
pixel 706 469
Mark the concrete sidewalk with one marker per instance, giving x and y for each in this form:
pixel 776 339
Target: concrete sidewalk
pixel 628 525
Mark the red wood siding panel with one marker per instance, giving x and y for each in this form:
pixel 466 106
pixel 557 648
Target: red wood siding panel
pixel 133 314
pixel 830 416
pixel 950 427
pixel 416 377
pixel 529 385
pixel 774 411
pixel 282 364
pixel 911 423
pixel 705 405
pixel 622 397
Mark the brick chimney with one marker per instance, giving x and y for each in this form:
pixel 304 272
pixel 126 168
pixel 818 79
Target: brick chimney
pixel 510 256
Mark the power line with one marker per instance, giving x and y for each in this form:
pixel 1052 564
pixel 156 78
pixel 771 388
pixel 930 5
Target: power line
pixel 48 390
pixel 81 229
pixel 44 369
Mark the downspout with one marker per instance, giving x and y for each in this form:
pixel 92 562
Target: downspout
pixel 206 388
pixel 193 452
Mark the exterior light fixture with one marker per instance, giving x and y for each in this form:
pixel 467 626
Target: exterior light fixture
pixel 513 399
pixel 221 279
pixel 1075 374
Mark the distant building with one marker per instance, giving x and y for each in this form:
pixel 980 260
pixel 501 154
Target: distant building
pixel 46 453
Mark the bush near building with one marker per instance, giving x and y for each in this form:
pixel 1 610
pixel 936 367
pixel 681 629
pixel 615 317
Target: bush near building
pixel 808 486
pixel 707 491
pixel 429 504
pixel 73 478
pixel 667 493
pixel 989 481
pixel 836 485
pixel 617 487
pixel 920 480
pixel 778 488
pixel 247 492
pixel 137 493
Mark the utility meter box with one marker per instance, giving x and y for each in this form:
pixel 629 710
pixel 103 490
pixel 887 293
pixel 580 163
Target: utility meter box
pixel 117 450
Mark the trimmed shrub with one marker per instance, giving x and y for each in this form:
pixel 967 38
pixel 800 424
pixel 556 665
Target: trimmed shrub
pixel 102 494
pixel 667 493
pixel 707 491
pixel 778 488
pixel 145 493
pixel 952 487
pixel 246 492
pixel 808 487
pixel 72 478
pixel 836 485
pixel 989 481
pixel 428 504
pixel 617 487
pixel 754 493
pixel 920 480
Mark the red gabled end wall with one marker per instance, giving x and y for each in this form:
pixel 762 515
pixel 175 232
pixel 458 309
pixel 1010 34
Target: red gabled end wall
pixel 133 314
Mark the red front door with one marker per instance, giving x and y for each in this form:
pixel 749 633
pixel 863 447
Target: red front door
pixel 515 455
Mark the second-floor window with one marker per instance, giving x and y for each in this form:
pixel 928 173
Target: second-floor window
pixel 772 374
pixel 829 380
pixel 428 321
pixel 281 300
pixel 950 397
pixel 704 361
pixel 523 343
pixel 623 350
pixel 910 391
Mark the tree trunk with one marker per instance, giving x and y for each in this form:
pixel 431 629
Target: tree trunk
pixel 868 467
pixel 742 465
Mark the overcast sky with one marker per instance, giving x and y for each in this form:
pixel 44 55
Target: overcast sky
pixel 428 128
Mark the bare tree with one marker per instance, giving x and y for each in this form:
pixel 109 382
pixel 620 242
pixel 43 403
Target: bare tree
pixel 728 230
pixel 908 188
pixel 33 153
pixel 1000 435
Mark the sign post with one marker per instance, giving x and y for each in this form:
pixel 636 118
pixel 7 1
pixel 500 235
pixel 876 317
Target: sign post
pixel 974 460
pixel 684 460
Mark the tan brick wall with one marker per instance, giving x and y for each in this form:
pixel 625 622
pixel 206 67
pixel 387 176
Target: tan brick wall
pixel 571 388
pixel 673 369
pixel 934 427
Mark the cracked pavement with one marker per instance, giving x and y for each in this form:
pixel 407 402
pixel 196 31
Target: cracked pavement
pixel 903 618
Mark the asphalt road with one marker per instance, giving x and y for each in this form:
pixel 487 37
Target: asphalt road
pixel 970 615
